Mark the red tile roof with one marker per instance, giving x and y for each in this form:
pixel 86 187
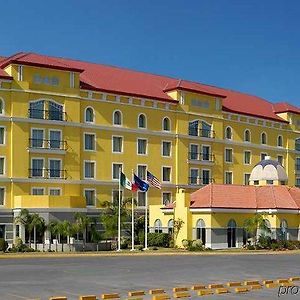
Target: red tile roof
pixel 246 197
pixel 285 107
pixel 133 83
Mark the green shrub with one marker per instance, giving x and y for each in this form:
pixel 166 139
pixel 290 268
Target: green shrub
pixel 3 245
pixel 124 243
pixel 159 239
pixel 264 242
pixel 186 243
pixel 141 237
pixel 140 248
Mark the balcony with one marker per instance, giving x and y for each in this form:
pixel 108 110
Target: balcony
pixel 198 181
pixel 46 201
pixel 55 115
pixel 206 133
pixel 202 157
pixel 47 173
pixel 47 144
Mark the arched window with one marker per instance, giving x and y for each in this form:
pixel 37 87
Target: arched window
pixel 55 111
pixel 247 136
pixel 263 138
pixel 89 115
pixel 166 124
pixel 231 234
pixel 283 230
pixel 142 123
pixel 157 226
pixel 200 231
pixel 280 141
pixel 297 144
pixel 170 226
pixel 1 106
pixel 268 228
pixel 228 133
pixel 117 118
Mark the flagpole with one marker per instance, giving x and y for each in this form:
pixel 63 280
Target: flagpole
pixel 119 214
pixel 146 223
pixel 132 218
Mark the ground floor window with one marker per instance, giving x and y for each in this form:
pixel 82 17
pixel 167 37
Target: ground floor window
pixel 158 226
pixel 231 234
pixel 2 231
pixel 170 226
pixel 201 231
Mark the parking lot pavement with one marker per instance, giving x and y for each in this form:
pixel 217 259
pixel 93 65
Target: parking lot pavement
pixel 31 278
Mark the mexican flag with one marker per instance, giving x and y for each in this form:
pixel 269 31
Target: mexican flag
pixel 125 182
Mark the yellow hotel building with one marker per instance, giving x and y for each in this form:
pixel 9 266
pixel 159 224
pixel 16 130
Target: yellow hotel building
pixel 66 127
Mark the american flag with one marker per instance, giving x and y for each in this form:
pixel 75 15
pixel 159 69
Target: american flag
pixel 153 180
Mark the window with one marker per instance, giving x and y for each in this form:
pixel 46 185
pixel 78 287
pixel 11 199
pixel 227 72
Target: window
pixel 37 191
pixel 2 166
pixel 117 146
pixel 55 139
pixel 256 182
pixel 170 226
pixel 228 133
pixel 228 155
pixel 1 106
pixel 246 178
pixel 37 166
pixel 89 115
pixel 280 141
pixel 206 130
pixel 89 169
pixel 142 121
pixel 297 166
pixel 270 182
pixel 166 174
pixel 141 171
pixel 116 169
pixel 37 138
pixel 166 148
pixel 200 231
pixel 37 109
pixel 20 73
pixel 280 159
pixel 115 197
pixel 194 176
pixel 247 157
pixel 263 138
pixel 142 146
pixel 194 151
pixel 297 144
pixel 228 177
pixel 206 177
pixel 89 141
pixel 54 191
pixel 263 156
pixel 284 230
pixel 2 137
pixel 2 195
pixel 55 111
pixel 141 201
pixel 206 153
pixel 158 226
pixel 247 136
pixel 117 118
pixel 297 182
pixel 193 128
pixel 166 198
pixel 166 124
pixel 55 168
pixel 72 80
pixel 90 197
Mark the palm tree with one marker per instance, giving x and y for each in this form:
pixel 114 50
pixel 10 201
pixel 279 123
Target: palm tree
pixel 24 219
pixel 53 228
pixel 255 223
pixel 82 222
pixel 36 221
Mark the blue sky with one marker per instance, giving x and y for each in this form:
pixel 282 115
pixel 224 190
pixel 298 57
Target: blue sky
pixel 249 46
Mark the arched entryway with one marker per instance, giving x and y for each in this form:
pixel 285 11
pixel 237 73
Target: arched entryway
pixel 231 234
pixel 284 230
pixel 200 231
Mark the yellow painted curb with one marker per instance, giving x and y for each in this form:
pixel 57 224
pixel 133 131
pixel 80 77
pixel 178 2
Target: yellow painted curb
pixel 182 295
pixel 215 286
pixel 180 289
pixel 205 292
pixel 197 287
pixel 156 291
pixel 222 291
pixel 110 296
pixel 242 289
pixel 233 284
pixel 136 293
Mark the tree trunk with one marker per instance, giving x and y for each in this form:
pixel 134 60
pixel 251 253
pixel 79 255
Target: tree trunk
pixel 29 237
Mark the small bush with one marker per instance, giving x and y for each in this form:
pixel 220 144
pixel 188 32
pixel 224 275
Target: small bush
pixel 264 242
pixel 140 248
pixel 158 239
pixel 124 243
pixel 3 245
pixel 186 243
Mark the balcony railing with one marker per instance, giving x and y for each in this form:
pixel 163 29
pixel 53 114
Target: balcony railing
pixel 200 156
pixel 47 144
pixel 201 132
pixel 200 180
pixel 47 173
pixel 54 115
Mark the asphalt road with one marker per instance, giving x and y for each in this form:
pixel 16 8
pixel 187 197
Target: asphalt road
pixel 32 278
